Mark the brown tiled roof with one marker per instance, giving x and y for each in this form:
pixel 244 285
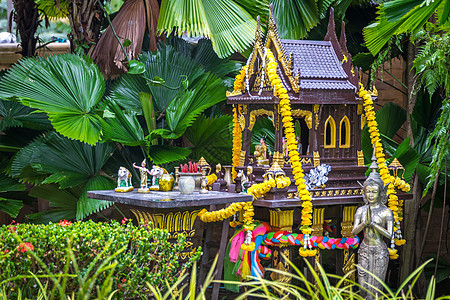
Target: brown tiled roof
pixel 326 84
pixel 314 59
pixel 317 64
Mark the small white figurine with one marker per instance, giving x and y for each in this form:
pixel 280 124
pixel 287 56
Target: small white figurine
pixel 124 180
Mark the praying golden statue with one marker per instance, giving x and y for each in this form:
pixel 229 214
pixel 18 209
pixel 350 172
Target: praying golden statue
pixel 376 221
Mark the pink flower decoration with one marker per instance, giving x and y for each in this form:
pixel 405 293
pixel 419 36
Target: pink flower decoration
pixel 64 223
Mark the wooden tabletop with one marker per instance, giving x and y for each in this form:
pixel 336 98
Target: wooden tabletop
pixel 173 199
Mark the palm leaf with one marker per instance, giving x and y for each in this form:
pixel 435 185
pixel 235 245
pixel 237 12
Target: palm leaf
pixel 165 63
pixel 229 26
pixel 185 108
pixel 408 157
pixel 161 154
pixel 211 139
pixel 148 110
pixel 66 87
pixel 8 184
pixel 295 18
pixel 63 203
pixel 87 206
pixel 70 162
pixel 123 127
pixel 390 119
pixel 129 23
pixel 14 114
pixel 255 8
pixel 396 17
pixel 10 206
pixel 204 54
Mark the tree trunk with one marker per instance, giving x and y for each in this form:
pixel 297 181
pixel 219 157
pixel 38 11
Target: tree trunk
pixel 411 210
pixel 411 207
pixel 85 19
pixel 27 19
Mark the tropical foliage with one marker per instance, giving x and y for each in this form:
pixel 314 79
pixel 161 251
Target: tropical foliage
pixel 79 257
pixel 400 16
pixel 66 87
pixel 142 116
pixel 433 71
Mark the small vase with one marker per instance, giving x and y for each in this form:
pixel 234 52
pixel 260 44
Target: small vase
pixel 227 176
pixel 166 182
pixel 197 178
pixel 186 184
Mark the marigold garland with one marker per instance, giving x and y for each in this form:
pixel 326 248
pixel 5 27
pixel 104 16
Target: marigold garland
pixel 257 191
pixel 237 138
pixel 289 132
pixel 394 204
pixel 239 80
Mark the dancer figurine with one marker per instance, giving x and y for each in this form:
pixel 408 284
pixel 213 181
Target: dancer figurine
pixel 376 221
pixel 143 170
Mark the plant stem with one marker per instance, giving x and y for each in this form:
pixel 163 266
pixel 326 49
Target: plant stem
pixel 112 28
pixel 382 80
pixel 396 79
pixel 433 196
pixel 442 219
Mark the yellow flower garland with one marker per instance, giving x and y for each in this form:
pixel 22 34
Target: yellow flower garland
pixel 297 171
pixel 237 138
pixel 257 191
pixel 285 109
pixel 239 80
pixel 394 204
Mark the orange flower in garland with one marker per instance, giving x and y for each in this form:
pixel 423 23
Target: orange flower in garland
pixel 289 131
pixel 394 204
pixel 237 139
pixel 240 78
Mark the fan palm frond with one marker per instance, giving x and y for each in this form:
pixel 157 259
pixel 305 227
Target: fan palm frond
pixel 229 25
pixel 185 108
pixel 66 87
pixel 87 206
pixel 14 114
pixel 72 162
pixel 10 206
pixel 165 63
pixel 63 203
pixel 211 139
pixel 123 127
pixel 400 16
pixel 69 165
pixel 161 154
pixel 295 18
pixel 8 184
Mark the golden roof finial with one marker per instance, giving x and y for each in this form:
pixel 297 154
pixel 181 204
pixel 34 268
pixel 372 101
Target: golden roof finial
pixel 202 162
pixel 276 169
pixel 395 166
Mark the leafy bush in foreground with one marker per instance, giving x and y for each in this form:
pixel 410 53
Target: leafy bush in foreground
pixel 135 254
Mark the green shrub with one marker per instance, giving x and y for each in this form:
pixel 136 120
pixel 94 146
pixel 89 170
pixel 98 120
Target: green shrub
pixel 140 255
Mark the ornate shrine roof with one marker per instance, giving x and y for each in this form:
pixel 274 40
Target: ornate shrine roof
pixel 308 69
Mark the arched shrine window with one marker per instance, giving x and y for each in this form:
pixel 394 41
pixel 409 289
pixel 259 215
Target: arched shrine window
pixel 330 133
pixel 344 133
